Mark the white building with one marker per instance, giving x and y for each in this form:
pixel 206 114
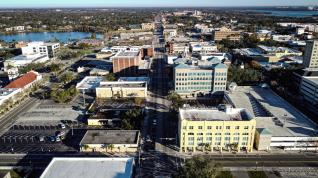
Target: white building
pixel 281 38
pixel 7 93
pixel 220 56
pixel 23 60
pixel 48 49
pixel 300 31
pixel 89 167
pixel 278 123
pixel 203 47
pixel 170 32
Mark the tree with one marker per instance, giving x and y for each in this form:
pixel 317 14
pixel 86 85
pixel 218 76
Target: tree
pixel 111 147
pixel 139 101
pixel 85 147
pixel 67 77
pixel 199 167
pixel 110 77
pixel 131 119
pixel 176 100
pixel 55 67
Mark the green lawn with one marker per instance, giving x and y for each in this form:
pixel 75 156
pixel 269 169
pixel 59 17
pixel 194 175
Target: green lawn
pixel 257 174
pixel 225 174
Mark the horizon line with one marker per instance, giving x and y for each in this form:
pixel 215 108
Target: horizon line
pixel 101 7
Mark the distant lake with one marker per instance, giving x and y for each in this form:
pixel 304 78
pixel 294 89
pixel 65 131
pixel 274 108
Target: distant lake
pixel 287 13
pixel 48 36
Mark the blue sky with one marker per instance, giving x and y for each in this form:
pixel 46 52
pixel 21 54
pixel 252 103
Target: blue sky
pixel 149 3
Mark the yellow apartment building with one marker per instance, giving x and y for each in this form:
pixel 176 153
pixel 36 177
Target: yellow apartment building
pixel 216 129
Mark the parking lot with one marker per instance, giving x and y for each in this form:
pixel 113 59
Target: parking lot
pixel 38 139
pixel 48 112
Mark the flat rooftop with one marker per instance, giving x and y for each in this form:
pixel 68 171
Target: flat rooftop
pixel 89 167
pixel 127 54
pixel 89 82
pixel 313 79
pixel 110 137
pixel 124 84
pixel 272 112
pixel 213 114
pixel 139 79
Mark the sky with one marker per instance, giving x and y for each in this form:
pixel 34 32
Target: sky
pixel 151 3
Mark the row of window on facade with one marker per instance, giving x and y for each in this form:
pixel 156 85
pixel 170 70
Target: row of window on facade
pixel 227 133
pixel 201 74
pixel 218 141
pixel 216 127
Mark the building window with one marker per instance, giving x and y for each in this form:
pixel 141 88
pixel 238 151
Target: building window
pixel 209 139
pixel 199 133
pixel 245 138
pixel 227 138
pixel 209 133
pixel 236 138
pixel 218 134
pixel 191 127
pixel 200 139
pixel 237 127
pixel 246 127
pixel 245 133
pixel 184 127
pixel 200 127
pixel 190 133
pixel 227 133
pixel 218 138
pixel 228 127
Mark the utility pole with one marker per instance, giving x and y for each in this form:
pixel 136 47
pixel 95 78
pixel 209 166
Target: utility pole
pixel 72 129
pixel 83 91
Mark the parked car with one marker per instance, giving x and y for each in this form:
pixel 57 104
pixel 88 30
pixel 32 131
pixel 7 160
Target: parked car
pixel 41 138
pixel 57 139
pixel 59 133
pixel 62 126
pixel 52 139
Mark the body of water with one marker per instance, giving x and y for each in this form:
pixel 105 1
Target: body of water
pixel 48 36
pixel 288 13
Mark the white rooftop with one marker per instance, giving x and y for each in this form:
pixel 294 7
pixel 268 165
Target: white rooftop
pixel 89 167
pixel 272 112
pixel 213 114
pixel 89 82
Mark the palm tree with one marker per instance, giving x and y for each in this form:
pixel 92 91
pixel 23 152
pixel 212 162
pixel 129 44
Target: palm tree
pixel 111 147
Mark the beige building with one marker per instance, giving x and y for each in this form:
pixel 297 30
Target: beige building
pixel 110 141
pixel 212 129
pixel 147 26
pixel 263 139
pixel 122 89
pixel 311 54
pixel 225 33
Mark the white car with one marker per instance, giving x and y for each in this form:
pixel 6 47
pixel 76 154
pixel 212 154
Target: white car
pixel 62 126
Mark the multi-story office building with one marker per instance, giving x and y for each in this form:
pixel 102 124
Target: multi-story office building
pixel 311 54
pixel 125 63
pixel 48 49
pixel 225 33
pixel 309 89
pixel 207 129
pixel 199 78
